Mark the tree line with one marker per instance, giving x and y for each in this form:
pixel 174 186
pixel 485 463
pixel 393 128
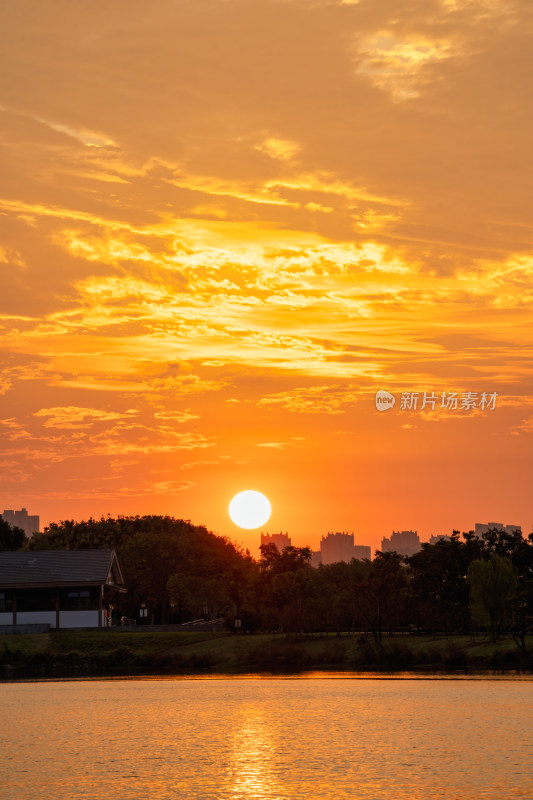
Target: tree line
pixel 182 572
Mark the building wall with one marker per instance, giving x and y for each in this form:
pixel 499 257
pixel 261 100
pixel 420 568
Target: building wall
pixel 32 525
pixel 77 619
pixel 34 617
pixel 67 619
pixel 78 607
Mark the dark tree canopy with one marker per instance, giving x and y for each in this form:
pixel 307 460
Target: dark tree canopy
pixel 183 572
pixel 291 559
pixel 153 552
pixel 11 538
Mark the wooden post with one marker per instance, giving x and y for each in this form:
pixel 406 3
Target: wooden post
pixel 57 607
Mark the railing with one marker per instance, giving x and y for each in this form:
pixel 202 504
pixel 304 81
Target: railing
pixel 126 622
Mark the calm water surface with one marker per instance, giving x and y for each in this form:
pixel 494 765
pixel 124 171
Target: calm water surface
pixel 278 739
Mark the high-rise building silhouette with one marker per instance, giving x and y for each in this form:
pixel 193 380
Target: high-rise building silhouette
pixel 281 540
pixel 405 543
pixel 21 519
pixel 481 528
pixel 439 537
pixel 334 547
pixel 339 546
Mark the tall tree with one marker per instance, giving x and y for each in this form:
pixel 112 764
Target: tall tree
pixel 493 587
pixel 379 590
pixel 439 587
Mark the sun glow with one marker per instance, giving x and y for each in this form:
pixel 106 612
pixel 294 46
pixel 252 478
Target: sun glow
pixel 250 509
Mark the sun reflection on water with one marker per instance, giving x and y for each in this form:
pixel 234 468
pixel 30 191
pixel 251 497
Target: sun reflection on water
pixel 250 768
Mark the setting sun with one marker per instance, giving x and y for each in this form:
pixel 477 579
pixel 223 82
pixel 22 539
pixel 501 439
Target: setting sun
pixel 283 247
pixel 250 509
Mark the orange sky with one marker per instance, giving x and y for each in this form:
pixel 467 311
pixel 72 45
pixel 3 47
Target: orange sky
pixel 226 224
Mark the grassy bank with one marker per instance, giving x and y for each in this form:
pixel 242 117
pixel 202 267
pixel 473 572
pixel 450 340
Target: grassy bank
pixel 111 652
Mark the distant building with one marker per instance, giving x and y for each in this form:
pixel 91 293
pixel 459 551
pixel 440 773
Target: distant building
pixel 439 537
pixel 59 588
pixel 281 540
pixel 336 547
pixel 481 528
pixel 362 552
pixel 339 546
pixel 405 543
pixel 21 519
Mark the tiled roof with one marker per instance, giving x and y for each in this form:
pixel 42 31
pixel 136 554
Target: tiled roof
pixel 57 567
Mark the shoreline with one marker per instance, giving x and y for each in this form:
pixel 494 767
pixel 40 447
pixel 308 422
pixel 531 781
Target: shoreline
pixel 314 674
pixel 104 653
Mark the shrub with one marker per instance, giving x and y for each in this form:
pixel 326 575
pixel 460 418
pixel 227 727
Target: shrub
pixel 332 653
pixel 396 656
pixel 454 656
pixel 278 656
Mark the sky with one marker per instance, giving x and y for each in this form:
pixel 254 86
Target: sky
pixel 226 224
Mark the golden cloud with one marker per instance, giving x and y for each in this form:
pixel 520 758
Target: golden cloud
pixel 75 417
pixel 278 148
pixel 398 66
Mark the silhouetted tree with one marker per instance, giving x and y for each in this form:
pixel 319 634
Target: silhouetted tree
pixel 11 538
pixel 439 599
pixel 183 571
pixel 493 586
pixel 334 587
pixel 379 590
pixel 152 549
pixel 291 559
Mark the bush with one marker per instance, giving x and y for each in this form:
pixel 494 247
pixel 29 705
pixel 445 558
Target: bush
pixel 433 655
pixel 332 653
pixel 366 654
pixel 396 656
pixel 390 656
pixel 510 659
pixel 454 656
pixel 201 660
pixel 278 656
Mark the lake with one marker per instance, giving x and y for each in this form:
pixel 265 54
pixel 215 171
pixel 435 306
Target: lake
pixel 281 738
